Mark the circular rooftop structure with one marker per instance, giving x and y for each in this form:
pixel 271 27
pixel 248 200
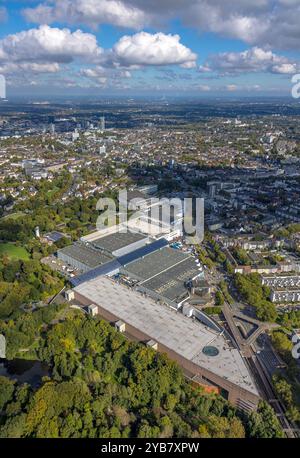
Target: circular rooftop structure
pixel 210 351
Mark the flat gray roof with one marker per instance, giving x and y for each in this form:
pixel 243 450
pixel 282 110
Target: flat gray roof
pixel 155 263
pixel 86 255
pixel 171 282
pixel 136 194
pixel 118 240
pixel 170 328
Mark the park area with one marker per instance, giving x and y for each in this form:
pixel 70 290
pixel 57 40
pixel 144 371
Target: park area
pixel 13 252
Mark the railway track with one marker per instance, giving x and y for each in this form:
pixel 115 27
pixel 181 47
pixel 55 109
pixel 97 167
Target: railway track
pixel 260 374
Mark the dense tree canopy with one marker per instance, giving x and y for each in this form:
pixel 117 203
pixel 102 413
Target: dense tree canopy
pixel 256 295
pixel 102 385
pixel 25 281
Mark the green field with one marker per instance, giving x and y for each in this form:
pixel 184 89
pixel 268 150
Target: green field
pixel 13 251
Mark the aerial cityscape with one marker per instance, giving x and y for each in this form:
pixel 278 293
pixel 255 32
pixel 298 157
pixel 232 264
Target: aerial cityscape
pixel 149 232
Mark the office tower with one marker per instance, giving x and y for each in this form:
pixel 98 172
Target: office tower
pixel 212 191
pixel 102 123
pixel 75 135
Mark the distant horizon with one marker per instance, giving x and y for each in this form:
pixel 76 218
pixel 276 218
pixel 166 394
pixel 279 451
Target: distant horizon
pixel 154 97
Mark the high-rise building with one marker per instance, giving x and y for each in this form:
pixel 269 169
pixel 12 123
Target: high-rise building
pixel 2 87
pixel 212 191
pixel 75 135
pixel 102 123
pixel 171 163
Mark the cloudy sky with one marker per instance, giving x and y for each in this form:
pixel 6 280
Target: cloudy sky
pixel 192 47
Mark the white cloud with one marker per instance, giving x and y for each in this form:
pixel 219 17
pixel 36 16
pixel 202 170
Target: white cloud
pixel 28 67
pixel 252 60
pixel 90 12
pixel 42 51
pixel 204 68
pixel 273 23
pixel 144 49
pixel 101 76
pixel 223 18
pixel 47 44
pixel 231 87
pixel 240 88
pixel 204 88
pixel 138 51
pixel 50 50
pixel 285 68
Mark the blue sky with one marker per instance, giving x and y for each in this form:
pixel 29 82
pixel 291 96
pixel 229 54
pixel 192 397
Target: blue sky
pixel 195 47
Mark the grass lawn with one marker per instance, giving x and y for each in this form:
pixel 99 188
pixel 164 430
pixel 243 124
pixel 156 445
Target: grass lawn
pixel 13 216
pixel 13 251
